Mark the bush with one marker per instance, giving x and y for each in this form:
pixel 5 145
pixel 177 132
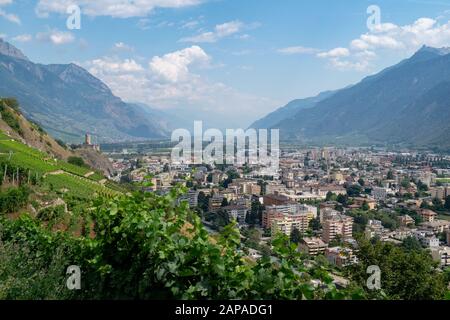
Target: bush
pixel 11 120
pixel 61 143
pixel 77 161
pixel 13 199
pixel 12 103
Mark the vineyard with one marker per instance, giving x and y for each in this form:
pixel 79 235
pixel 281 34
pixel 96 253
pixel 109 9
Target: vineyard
pixel 78 186
pixel 20 162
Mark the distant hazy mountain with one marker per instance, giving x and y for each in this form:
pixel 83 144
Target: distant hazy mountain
pixel 68 101
pixel 290 110
pixel 167 119
pixel 406 104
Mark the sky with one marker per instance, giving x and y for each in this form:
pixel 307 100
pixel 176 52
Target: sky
pixel 227 62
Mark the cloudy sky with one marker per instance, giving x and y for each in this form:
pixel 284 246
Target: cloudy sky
pixel 225 61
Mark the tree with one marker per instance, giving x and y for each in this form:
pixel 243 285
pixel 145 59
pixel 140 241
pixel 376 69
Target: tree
pixel 354 190
pixel 447 203
pixel 13 199
pixel 406 184
pixel 315 225
pixel 77 161
pixel 405 274
pixel 331 196
pixel 365 206
pixel 361 182
pixel 412 244
pixel 336 242
pixel 255 215
pixel 437 204
pixel 203 201
pixel 224 202
pixel 390 175
pixel 12 103
pixel 342 199
pixel 263 185
pixel 296 236
pixel 422 187
pixel 61 143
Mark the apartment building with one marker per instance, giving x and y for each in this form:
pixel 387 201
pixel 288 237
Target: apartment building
pixel 428 215
pixel 275 200
pixel 286 224
pixel 440 192
pixel 374 228
pixel 191 197
pixel 312 246
pixel 406 221
pixel 237 212
pixel 337 225
pixel 327 213
pixel 291 209
pixel 359 202
pixel 215 202
pixel 436 226
pixel 340 257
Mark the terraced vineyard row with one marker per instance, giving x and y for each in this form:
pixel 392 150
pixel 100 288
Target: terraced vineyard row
pixel 29 162
pixel 77 186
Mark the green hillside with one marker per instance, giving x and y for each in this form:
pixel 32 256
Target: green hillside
pixel 56 175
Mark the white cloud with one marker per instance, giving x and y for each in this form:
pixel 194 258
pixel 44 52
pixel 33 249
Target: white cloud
pixel 56 37
pixel 220 31
pixel 10 17
pixel 3 35
pixel 389 37
pixel 170 82
pixel 121 46
pixel 297 50
pixel 334 53
pixel 174 66
pixel 243 37
pixel 23 38
pixel 190 24
pixel 113 8
pixel 113 66
pixel 5 2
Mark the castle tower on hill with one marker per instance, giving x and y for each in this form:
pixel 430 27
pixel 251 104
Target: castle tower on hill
pixel 88 143
pixel 87 140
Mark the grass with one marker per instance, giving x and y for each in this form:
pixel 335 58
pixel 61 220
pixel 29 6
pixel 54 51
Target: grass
pixel 443 180
pixel 3 136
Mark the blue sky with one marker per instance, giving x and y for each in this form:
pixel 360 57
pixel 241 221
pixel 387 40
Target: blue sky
pixel 227 62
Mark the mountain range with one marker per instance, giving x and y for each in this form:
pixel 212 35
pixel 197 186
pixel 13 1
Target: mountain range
pixel 69 102
pixel 407 104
